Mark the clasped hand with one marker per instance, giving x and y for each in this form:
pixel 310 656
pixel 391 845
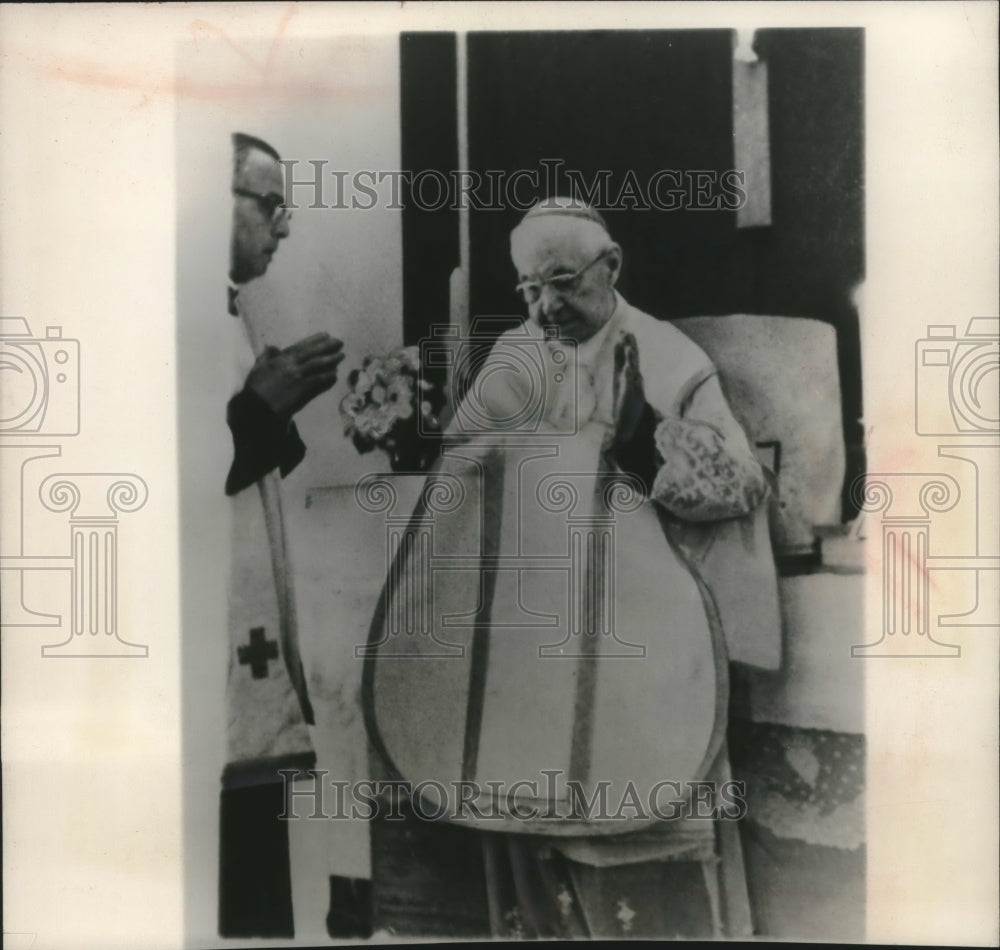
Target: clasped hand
pixel 291 378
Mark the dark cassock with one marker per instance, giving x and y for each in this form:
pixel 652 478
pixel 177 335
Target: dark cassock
pixel 266 699
pixel 547 670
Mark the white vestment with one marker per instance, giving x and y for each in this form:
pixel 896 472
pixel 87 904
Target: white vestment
pixel 571 626
pixel 266 727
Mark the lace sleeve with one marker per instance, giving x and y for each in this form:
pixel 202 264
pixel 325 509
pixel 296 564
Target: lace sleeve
pixel 701 477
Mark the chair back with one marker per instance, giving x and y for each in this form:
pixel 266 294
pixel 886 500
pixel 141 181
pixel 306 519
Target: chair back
pixel 781 379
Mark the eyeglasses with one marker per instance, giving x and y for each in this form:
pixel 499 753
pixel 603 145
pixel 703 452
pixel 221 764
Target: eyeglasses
pixel 272 204
pixel 531 290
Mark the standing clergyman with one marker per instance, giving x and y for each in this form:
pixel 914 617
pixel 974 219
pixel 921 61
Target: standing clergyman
pixel 267 700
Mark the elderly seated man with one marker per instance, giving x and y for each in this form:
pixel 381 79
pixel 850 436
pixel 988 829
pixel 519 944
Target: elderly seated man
pixel 571 686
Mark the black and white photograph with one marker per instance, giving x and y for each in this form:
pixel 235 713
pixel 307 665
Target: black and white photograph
pixel 561 661
pixel 565 490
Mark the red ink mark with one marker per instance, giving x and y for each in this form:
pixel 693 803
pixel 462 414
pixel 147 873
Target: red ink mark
pixel 261 80
pixel 263 69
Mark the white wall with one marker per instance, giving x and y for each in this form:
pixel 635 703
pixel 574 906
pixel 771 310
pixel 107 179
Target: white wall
pixel 340 270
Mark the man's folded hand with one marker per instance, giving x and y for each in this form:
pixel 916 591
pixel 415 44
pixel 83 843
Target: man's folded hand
pixel 291 378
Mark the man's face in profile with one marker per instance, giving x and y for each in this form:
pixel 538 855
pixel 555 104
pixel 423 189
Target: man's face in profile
pixel 566 276
pixel 259 221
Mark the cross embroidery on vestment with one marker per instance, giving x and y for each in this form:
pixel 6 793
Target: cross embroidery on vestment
pixel 257 653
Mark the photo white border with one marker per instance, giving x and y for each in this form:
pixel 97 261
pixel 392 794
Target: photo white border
pixel 93 777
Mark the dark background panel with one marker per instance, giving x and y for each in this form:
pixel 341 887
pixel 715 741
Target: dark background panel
pixel 617 101
pixel 814 249
pixel 812 257
pixel 641 102
pixel 428 140
pixel 255 880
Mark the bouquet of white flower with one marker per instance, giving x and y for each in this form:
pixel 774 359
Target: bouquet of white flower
pixel 391 406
